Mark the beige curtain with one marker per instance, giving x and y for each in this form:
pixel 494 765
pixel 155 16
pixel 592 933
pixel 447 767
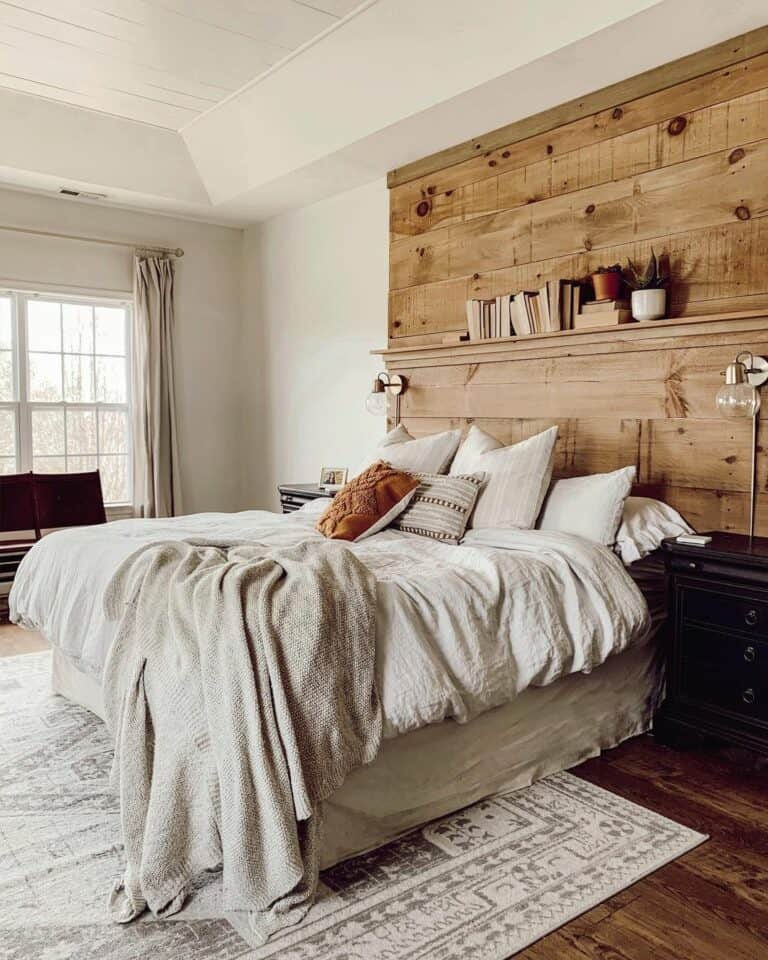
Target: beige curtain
pixel 155 456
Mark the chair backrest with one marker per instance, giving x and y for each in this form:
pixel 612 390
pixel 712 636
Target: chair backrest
pixel 17 505
pixel 68 499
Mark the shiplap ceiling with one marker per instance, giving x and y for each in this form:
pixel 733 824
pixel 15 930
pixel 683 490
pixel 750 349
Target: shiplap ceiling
pixel 163 62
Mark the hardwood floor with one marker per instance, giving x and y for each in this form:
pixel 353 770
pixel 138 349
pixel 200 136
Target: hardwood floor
pixel 14 640
pixel 711 904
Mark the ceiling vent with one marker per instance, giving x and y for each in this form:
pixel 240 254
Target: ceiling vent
pixel 82 194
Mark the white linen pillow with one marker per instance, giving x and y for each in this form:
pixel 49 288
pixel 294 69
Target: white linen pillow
pixel 430 454
pixel 516 477
pixel 644 524
pixel 590 507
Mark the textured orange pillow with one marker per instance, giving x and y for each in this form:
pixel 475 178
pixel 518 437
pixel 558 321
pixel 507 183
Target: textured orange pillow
pixel 367 503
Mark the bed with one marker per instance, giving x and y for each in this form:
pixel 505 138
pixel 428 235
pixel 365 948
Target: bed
pixel 464 740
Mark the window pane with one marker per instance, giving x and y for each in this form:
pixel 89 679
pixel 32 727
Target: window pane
pixel 5 323
pixel 110 330
pixel 49 465
pixel 44 325
pixel 47 432
pixel 7 433
pixel 6 375
pixel 78 328
pixel 110 380
pixel 113 431
pixel 114 479
pixel 80 464
pixel 81 431
pixel 7 465
pixel 78 379
pixel 44 376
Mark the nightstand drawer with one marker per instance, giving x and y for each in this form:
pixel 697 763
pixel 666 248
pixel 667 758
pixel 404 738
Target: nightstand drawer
pixel 725 652
pixel 732 610
pixel 734 690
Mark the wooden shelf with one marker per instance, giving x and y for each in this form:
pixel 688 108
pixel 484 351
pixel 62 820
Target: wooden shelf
pixel 563 340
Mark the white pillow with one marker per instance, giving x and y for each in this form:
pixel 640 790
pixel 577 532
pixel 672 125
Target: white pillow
pixel 426 455
pixel 644 525
pixel 590 507
pixel 517 477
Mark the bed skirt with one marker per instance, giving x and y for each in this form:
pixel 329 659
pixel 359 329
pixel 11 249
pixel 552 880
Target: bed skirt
pixel 441 768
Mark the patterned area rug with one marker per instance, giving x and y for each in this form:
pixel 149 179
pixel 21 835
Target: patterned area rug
pixel 480 884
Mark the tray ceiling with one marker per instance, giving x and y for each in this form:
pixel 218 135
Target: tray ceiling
pixel 162 62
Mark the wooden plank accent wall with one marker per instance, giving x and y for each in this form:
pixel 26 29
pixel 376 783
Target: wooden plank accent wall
pixel 680 167
pixel 677 160
pixel 645 397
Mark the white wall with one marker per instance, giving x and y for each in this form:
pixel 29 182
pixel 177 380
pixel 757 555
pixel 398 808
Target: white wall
pixel 315 299
pixel 208 318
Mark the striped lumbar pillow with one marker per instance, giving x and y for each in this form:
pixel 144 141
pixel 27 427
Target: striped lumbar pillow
pixel 441 506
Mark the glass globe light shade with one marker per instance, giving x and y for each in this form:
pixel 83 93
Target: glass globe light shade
pixel 737 400
pixel 376 403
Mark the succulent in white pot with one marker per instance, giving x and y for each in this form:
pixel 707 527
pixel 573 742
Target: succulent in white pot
pixel 649 293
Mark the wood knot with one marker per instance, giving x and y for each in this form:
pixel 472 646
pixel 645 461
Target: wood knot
pixel 742 212
pixel 550 148
pixel 491 163
pixel 676 126
pixel 731 459
pixel 421 251
pixel 506 155
pixel 475 276
pixel 431 191
pixel 735 155
pixel 397 324
pixel 618 113
pixel 590 209
pixel 449 193
pixel 587 244
pixel 423 208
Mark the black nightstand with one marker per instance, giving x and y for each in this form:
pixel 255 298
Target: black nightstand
pixel 295 495
pixel 717 680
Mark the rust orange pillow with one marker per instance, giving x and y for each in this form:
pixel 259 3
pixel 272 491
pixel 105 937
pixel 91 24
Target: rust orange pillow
pixel 368 503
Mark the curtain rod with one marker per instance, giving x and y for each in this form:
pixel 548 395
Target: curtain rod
pixel 172 252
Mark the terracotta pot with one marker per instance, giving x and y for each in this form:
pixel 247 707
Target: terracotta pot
pixel 649 304
pixel 607 285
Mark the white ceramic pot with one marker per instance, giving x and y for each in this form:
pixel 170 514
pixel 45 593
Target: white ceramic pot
pixel 649 304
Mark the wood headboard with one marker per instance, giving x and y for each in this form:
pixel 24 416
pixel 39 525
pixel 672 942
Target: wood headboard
pixel 676 159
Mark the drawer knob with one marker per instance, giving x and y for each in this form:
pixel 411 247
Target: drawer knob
pixel 748 696
pixel 750 654
pixel 693 565
pixel 750 618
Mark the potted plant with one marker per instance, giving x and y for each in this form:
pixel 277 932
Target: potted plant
pixel 649 294
pixel 607 282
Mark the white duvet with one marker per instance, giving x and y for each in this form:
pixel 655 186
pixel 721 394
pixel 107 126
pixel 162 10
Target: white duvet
pixel 459 629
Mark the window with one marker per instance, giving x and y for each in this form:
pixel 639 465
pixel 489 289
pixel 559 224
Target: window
pixel 65 388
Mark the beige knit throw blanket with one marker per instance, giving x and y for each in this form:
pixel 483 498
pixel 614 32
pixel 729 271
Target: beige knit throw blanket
pixel 240 692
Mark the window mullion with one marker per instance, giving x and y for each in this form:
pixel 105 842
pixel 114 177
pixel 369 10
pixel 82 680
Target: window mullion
pixel 22 366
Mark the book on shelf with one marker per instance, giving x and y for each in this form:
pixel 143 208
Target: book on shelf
pixel 607 318
pixel 551 308
pixel 600 306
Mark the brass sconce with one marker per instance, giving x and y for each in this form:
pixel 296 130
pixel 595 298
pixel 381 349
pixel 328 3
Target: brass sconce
pixel 740 398
pixel 386 383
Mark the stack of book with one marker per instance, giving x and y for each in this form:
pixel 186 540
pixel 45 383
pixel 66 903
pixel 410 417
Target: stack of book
pixel 554 307
pixel 602 313
pixel 549 309
pixel 489 319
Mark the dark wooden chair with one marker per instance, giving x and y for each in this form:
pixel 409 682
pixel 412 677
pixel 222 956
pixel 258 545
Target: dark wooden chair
pixel 33 502
pixel 68 500
pixel 19 529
